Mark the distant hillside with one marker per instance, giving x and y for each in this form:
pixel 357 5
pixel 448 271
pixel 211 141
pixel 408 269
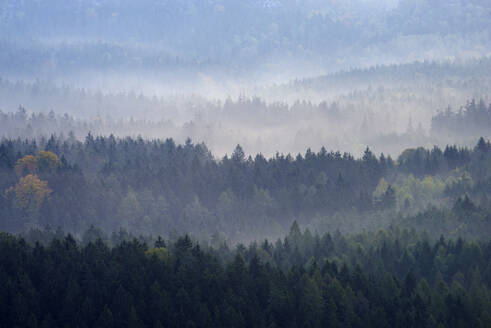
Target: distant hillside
pixel 331 34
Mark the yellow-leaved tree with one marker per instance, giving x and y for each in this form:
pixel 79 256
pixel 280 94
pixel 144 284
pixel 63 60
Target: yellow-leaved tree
pixel 381 188
pixel 45 161
pixel 160 253
pixel 26 165
pixel 31 192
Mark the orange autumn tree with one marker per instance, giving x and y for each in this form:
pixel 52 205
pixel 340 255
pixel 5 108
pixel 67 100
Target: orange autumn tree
pixel 46 161
pixel 31 192
pixel 27 164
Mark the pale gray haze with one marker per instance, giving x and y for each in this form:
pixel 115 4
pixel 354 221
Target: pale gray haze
pixel 270 75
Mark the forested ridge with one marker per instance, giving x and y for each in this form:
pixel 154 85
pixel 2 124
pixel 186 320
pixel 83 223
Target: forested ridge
pixel 388 107
pixel 133 232
pixel 158 35
pixel 155 186
pixel 245 163
pixel 393 278
pixel 474 116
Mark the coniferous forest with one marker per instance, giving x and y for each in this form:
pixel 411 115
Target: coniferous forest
pixel 113 232
pixel 245 163
pixel 393 278
pixel 154 187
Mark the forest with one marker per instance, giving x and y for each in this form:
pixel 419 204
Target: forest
pixel 386 118
pixel 238 38
pixel 392 278
pixel 155 186
pixel 245 163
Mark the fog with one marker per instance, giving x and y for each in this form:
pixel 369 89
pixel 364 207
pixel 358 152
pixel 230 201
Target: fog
pixel 277 77
pixel 273 76
pixel 245 163
pixel 389 108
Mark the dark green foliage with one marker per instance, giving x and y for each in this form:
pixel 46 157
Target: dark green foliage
pixel 387 279
pixel 158 187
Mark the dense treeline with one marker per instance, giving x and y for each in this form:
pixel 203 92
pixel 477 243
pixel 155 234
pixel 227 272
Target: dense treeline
pixel 108 34
pixel 347 111
pixel 157 186
pixel 474 118
pixel 386 279
pixel 400 74
pixel 110 215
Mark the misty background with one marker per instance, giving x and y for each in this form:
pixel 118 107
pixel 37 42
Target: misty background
pixel 245 163
pixel 295 101
pixel 270 75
